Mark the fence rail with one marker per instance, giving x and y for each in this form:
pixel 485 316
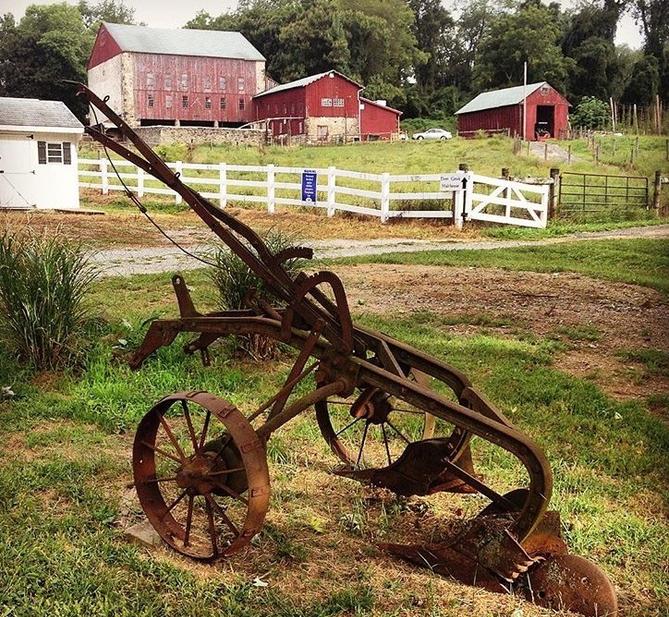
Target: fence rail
pixel 384 195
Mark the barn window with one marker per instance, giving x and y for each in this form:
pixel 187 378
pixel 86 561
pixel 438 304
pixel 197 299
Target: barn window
pixel 207 84
pixel 184 81
pixel 207 102
pixel 149 100
pixel 168 82
pixel 184 101
pixel 544 90
pixel 242 104
pixel 168 101
pixel 150 80
pixel 326 102
pixel 241 84
pixel 221 84
pixel 224 103
pixel 338 102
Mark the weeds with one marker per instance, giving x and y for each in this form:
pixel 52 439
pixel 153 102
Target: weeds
pixel 44 283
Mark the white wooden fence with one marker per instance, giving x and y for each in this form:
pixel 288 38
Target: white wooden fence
pixel 384 195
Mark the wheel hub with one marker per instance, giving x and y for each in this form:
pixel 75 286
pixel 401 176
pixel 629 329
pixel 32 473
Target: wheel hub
pixel 195 476
pixel 372 407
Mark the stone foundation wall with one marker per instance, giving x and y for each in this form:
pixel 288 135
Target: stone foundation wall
pixel 344 129
pixel 157 135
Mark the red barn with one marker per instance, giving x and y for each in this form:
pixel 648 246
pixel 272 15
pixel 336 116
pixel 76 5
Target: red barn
pixel 502 111
pixel 324 107
pixel 176 77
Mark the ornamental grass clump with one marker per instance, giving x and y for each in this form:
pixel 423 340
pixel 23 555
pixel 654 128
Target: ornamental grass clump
pixel 44 284
pixel 238 287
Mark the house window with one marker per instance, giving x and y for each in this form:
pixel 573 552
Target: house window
pixel 168 101
pixel 184 81
pixel 184 101
pixel 242 104
pixel 207 84
pixel 150 81
pixel 326 102
pixel 149 100
pixel 207 102
pixel 240 84
pixel 224 103
pixel 168 82
pixel 54 152
pixel 338 102
pixel 221 84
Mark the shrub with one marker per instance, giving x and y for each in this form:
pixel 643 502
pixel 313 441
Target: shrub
pixel 591 113
pixel 236 284
pixel 44 282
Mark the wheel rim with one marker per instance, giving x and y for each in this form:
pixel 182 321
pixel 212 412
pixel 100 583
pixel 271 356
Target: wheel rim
pixel 201 475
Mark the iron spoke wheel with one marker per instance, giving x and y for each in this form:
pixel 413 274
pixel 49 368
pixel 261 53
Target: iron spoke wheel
pixel 201 475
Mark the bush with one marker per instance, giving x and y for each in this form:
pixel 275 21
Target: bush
pixel 591 113
pixel 237 284
pixel 43 287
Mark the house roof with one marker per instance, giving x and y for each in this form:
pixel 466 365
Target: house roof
pixel 305 81
pixel 500 98
pixel 33 113
pixel 183 42
pixel 381 105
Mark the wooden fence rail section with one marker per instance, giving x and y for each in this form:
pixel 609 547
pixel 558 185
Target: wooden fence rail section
pixel 383 195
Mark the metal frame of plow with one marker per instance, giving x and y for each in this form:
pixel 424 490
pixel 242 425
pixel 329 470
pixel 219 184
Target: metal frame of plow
pixel 509 545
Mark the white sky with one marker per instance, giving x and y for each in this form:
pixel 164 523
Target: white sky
pixel 174 14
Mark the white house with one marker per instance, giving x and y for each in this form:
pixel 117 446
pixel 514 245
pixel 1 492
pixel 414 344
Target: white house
pixel 38 154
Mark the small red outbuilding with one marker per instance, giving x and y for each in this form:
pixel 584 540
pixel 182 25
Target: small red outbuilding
pixel 325 107
pixel 501 111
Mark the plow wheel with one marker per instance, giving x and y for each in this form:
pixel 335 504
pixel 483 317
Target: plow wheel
pixel 201 475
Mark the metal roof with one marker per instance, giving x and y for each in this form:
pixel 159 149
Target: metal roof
pixel 500 98
pixel 183 42
pixel 381 105
pixel 35 113
pixel 305 81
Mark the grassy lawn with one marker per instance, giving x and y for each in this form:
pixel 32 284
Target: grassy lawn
pixel 640 262
pixel 65 465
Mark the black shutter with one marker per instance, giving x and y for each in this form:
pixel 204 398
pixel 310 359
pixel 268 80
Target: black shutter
pixel 41 152
pixel 67 153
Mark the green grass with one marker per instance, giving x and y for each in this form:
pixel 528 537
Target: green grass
pixel 639 262
pixel 655 361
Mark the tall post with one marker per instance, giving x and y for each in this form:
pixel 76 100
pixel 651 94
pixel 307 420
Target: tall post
pixel 223 184
pixel 271 190
pixel 657 189
pixel 465 196
pixel 385 197
pixel 553 192
pixel 525 100
pixel 104 176
pixel 332 190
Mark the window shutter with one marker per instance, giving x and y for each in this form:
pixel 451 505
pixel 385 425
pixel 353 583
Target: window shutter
pixel 67 153
pixel 41 152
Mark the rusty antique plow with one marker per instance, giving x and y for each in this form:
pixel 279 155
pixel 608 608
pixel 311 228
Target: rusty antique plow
pixel 395 417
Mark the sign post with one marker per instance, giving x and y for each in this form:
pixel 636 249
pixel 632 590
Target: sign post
pixel 309 186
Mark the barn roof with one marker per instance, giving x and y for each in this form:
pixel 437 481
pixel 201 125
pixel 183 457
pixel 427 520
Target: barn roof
pixel 305 81
pixel 500 98
pixel 183 42
pixel 381 105
pixel 15 112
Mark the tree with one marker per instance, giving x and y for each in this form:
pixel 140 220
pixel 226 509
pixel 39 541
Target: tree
pixel 591 113
pixel 644 83
pixel 532 34
pixel 113 11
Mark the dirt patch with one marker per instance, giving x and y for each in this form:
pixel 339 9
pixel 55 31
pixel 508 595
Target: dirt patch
pixel 622 316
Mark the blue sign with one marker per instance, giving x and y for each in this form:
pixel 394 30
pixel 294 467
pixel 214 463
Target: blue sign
pixel 309 185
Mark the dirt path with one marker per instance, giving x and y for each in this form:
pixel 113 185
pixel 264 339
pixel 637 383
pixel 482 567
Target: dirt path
pixel 142 260
pixel 550 151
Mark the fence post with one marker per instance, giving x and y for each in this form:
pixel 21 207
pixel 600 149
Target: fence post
pixel 104 178
pixel 657 190
pixel 463 198
pixel 223 184
pixel 271 190
pixel 385 197
pixel 140 182
pixel 545 151
pixel 553 192
pixel 332 190
pixel 179 168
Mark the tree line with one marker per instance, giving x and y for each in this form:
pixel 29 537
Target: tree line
pixel 416 54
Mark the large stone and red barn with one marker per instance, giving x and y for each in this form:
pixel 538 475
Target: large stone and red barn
pixel 501 111
pixel 155 76
pixel 325 107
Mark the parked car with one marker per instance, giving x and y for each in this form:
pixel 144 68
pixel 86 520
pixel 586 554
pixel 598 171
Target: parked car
pixel 433 134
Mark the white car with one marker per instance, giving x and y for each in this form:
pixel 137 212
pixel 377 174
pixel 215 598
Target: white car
pixel 433 134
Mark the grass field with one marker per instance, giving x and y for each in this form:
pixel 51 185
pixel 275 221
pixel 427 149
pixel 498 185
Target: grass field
pixel 64 467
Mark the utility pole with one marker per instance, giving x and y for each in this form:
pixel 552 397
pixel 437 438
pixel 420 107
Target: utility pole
pixel 524 100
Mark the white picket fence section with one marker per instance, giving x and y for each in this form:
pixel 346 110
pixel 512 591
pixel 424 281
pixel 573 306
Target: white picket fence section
pixel 384 195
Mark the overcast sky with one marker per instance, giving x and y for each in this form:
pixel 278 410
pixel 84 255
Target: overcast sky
pixel 174 14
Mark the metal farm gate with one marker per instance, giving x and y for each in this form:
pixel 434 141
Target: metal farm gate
pixel 588 193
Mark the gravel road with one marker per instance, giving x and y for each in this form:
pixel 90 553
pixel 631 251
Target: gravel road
pixel 126 262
